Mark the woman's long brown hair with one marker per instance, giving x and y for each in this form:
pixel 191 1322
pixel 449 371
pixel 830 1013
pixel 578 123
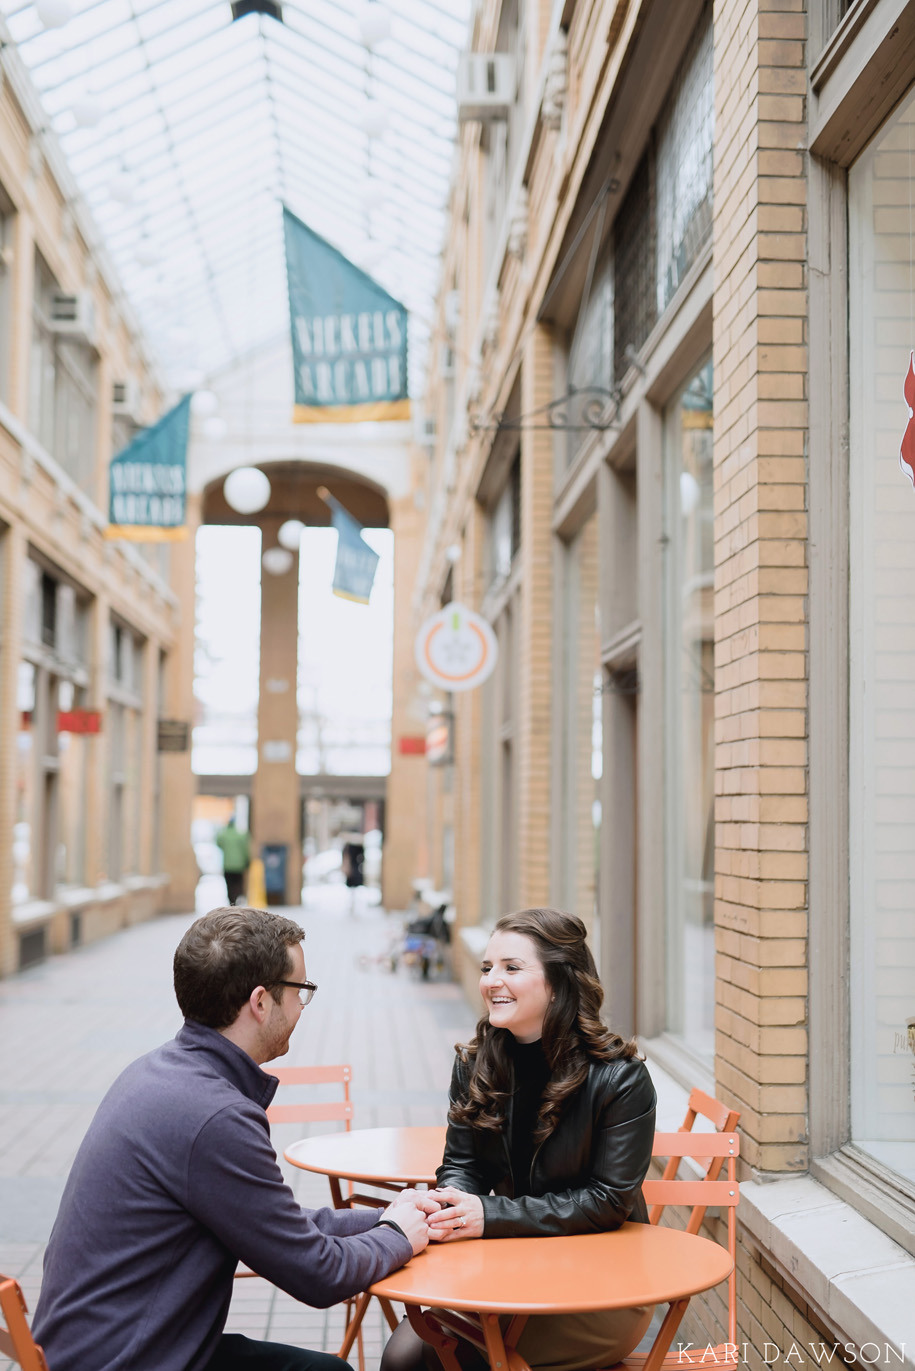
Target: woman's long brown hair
pixel 573 1034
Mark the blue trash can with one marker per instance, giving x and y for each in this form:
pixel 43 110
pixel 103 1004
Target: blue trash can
pixel 274 859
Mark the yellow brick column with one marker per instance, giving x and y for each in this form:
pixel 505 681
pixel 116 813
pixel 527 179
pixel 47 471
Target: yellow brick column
pixel 177 785
pixel 404 848
pixel 13 553
pixel 469 731
pixel 761 575
pixel 535 669
pixel 275 791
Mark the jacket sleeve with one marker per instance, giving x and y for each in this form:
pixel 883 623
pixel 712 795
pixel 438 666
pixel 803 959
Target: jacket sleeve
pixel 462 1166
pixel 620 1156
pixel 236 1190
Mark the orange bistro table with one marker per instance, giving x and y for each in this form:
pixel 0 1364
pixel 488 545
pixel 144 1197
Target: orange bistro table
pixel 388 1157
pixel 464 1286
pixel 391 1158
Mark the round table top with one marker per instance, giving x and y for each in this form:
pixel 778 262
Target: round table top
pixel 406 1155
pixel 637 1264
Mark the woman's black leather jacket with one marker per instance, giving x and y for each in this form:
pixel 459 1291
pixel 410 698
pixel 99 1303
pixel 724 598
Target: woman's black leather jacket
pixel 585 1178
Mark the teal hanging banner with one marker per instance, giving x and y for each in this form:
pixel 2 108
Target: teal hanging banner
pixel 147 481
pixel 349 337
pixel 354 571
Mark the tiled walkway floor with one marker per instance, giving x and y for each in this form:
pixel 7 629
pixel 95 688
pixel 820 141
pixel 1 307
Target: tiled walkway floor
pixel 70 1025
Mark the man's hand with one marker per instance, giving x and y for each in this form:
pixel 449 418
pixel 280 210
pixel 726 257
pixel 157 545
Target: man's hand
pixel 410 1218
pixel 460 1215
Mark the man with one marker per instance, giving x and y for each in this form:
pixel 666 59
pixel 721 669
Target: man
pixel 176 1182
pixel 235 847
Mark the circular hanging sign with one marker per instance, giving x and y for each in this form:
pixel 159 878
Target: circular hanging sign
pixel 456 649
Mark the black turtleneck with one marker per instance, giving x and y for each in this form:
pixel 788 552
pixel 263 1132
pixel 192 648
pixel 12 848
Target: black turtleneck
pixel 531 1076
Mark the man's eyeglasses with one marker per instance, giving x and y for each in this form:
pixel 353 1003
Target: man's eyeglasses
pixel 306 990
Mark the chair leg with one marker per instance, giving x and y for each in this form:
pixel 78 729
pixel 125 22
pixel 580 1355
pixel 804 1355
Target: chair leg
pixel 354 1326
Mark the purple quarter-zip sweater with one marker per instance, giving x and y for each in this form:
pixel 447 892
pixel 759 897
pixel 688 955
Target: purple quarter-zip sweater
pixel 175 1182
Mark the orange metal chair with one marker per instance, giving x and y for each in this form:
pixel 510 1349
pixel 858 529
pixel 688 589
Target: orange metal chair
pixel 326 1111
pixel 724 1120
pixel 16 1339
pixel 714 1149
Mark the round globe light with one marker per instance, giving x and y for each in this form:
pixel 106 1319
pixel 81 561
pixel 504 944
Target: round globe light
pixel 277 561
pixel 290 534
pixel 689 493
pixel 204 404
pixel 246 489
pixel 216 428
pixel 374 23
pixel 373 119
pixel 88 112
pixel 54 13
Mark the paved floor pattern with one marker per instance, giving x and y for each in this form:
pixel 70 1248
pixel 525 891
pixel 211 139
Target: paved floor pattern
pixel 69 1026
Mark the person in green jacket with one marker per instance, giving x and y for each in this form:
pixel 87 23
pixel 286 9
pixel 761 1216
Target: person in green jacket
pixel 236 855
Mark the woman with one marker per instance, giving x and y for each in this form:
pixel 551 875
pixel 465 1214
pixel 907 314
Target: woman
pixel 549 1131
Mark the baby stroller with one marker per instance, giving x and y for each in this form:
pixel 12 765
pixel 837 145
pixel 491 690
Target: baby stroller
pixel 426 942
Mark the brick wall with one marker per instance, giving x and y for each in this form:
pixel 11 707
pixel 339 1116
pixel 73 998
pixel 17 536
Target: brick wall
pixel 761 574
pixel 535 646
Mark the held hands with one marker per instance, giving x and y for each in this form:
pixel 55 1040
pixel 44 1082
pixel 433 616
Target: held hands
pixel 409 1211
pixel 460 1215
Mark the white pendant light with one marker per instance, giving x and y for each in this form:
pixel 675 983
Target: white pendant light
pixel 247 490
pixel 88 111
pixel 373 119
pixel 204 404
pixel 277 561
pixel 374 22
pixel 290 534
pixel 54 13
pixel 689 493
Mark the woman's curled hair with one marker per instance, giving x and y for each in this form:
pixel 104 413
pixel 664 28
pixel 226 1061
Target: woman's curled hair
pixel 573 1033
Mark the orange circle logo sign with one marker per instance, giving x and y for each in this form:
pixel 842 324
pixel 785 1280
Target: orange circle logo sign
pixel 456 649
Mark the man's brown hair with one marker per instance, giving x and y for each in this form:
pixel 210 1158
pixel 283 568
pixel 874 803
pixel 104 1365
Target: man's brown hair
pixel 224 955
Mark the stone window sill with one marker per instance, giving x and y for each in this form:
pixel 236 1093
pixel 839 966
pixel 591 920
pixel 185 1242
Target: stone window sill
pixel 858 1279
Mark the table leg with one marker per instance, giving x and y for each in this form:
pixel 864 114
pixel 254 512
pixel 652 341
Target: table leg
pixel 442 1327
pixel 435 1335
pixel 661 1345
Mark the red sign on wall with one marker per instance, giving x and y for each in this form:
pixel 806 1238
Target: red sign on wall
pixel 412 747
pixel 79 721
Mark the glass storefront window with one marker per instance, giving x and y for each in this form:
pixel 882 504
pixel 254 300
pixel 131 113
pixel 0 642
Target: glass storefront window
pixel 580 757
pixel 72 752
pixel 882 647
pixel 690 715
pixel 24 827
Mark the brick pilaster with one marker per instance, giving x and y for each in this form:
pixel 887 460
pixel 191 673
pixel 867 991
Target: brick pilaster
pixel 761 574
pixel 533 755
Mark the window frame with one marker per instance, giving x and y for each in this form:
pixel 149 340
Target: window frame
pixel 854 62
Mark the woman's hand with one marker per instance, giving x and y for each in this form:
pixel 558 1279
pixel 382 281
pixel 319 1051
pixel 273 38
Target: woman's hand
pixel 461 1215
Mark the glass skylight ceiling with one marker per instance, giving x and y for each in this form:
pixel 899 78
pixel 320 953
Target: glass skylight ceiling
pixel 208 126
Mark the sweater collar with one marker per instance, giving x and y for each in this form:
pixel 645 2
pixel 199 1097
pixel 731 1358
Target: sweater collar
pixel 230 1060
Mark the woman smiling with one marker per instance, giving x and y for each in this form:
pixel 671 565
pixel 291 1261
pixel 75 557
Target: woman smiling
pixel 549 1131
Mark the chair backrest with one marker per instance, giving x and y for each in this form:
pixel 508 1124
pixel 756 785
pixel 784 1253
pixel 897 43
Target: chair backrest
pixel 16 1339
pixel 724 1120
pixel 699 1194
pixel 340 1110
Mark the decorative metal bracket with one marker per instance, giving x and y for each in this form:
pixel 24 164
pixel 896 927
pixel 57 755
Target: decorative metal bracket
pixel 591 408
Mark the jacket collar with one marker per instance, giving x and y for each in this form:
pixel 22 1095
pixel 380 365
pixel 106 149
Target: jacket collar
pixel 231 1061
